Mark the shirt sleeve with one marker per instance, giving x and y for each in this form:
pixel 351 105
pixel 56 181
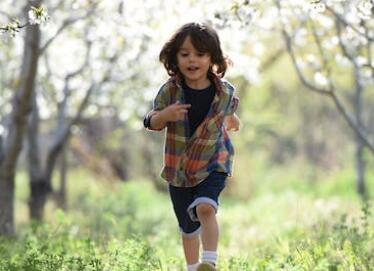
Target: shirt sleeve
pixel 162 98
pixel 233 102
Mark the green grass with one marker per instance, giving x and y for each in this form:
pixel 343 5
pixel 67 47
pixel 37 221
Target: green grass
pixel 130 226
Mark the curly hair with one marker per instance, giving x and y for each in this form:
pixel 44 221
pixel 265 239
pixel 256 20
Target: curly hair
pixel 204 38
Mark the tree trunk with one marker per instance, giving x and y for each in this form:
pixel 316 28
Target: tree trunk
pixel 359 144
pixel 6 204
pixel 61 194
pixel 38 197
pixel 38 185
pixel 360 168
pixel 20 111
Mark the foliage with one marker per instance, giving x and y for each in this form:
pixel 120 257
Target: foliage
pixel 130 226
pixel 46 249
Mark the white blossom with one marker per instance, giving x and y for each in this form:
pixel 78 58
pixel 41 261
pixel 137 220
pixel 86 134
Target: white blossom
pixel 313 62
pixel 301 37
pixel 11 28
pixel 330 43
pixel 364 9
pixel 246 14
pixel 258 49
pixel 221 19
pixel 320 79
pixel 366 77
pixel 38 15
pixel 361 61
pixel 317 7
pixel 300 63
pixel 342 61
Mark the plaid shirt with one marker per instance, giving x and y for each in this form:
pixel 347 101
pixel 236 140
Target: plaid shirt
pixel 189 160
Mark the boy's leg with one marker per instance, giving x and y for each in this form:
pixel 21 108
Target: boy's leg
pixel 203 209
pixel 191 248
pixel 181 198
pixel 210 230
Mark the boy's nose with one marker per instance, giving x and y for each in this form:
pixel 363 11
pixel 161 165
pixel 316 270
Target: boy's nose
pixel 191 57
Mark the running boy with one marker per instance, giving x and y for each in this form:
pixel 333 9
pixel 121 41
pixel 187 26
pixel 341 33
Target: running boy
pixel 198 108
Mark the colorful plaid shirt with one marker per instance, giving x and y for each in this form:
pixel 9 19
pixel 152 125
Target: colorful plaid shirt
pixel 189 160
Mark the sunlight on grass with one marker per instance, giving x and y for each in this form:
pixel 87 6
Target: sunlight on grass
pixel 130 226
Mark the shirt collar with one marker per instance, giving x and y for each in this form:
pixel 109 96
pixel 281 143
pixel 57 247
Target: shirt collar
pixel 177 79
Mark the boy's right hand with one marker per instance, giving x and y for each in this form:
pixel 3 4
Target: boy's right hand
pixel 175 112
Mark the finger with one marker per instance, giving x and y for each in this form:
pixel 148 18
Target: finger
pixel 184 105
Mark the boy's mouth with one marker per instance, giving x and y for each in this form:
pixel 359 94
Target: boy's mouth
pixel 192 69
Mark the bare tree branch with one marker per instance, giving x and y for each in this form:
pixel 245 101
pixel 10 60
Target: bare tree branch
pixel 357 75
pixel 1 149
pixel 342 45
pixel 66 132
pixel 329 92
pixel 345 23
pixel 64 25
pixel 64 136
pixel 84 64
pixel 16 29
pixel 369 53
pixel 67 91
pixel 325 62
pixel 362 134
pixel 291 52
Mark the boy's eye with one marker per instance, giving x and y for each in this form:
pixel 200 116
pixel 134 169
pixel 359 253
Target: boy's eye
pixel 200 54
pixel 184 54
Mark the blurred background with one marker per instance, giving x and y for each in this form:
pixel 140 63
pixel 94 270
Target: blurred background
pixel 74 90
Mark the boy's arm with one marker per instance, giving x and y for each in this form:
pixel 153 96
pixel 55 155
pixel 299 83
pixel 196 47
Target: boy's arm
pixel 173 112
pixel 157 120
pixel 232 123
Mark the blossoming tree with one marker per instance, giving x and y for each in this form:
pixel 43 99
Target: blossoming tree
pixel 325 39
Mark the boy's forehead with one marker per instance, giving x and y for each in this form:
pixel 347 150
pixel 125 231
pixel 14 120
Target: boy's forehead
pixel 188 45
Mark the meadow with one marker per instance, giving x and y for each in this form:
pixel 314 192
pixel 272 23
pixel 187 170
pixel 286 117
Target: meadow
pixel 73 99
pixel 130 226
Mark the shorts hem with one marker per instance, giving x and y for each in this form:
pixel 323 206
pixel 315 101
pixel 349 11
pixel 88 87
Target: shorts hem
pixel 191 234
pixel 198 201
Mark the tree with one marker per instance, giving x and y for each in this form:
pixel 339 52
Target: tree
pixel 357 50
pixel 41 167
pixel 321 38
pixel 12 144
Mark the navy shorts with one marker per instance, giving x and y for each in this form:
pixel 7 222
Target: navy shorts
pixel 185 200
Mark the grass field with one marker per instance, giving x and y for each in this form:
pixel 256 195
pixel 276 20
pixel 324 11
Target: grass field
pixel 130 226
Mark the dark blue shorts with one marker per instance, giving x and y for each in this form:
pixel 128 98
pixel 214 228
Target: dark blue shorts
pixel 185 200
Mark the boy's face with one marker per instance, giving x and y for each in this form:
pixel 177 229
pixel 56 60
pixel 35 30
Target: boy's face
pixel 193 65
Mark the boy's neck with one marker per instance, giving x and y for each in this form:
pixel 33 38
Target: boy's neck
pixel 198 84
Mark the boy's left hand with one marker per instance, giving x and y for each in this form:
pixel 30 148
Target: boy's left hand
pixel 232 123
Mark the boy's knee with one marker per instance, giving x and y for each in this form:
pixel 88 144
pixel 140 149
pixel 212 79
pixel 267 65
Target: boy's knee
pixel 204 210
